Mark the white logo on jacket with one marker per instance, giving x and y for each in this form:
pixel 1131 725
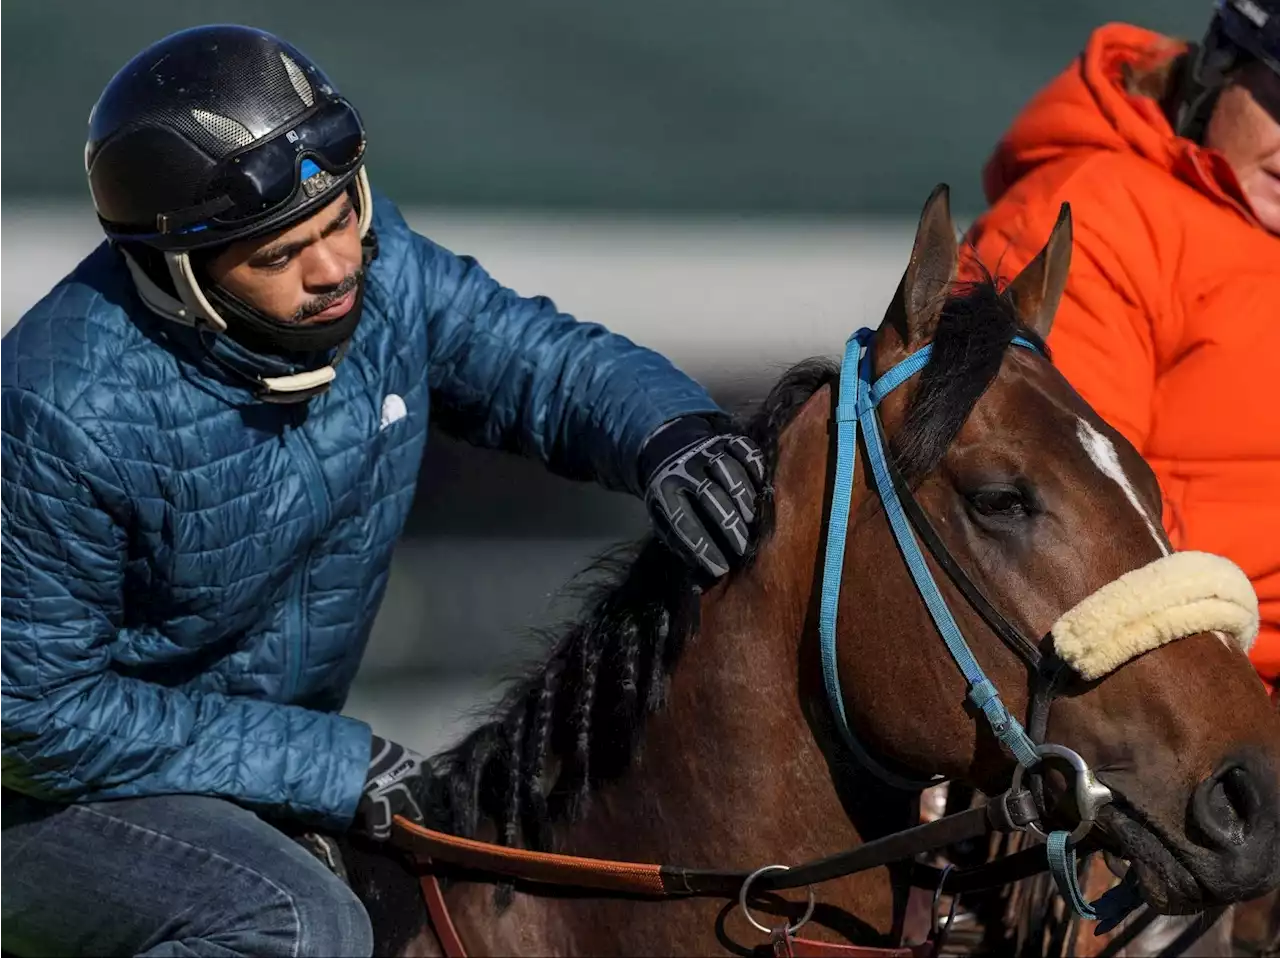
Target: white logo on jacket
pixel 393 410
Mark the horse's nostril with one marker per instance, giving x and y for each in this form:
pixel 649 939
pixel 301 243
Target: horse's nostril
pixel 1241 794
pixel 1226 804
pixel 1229 799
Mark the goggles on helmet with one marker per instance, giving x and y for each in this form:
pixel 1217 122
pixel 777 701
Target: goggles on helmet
pixel 1253 27
pixel 324 144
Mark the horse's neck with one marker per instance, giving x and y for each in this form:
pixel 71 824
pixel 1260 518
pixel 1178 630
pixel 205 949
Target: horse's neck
pixel 729 775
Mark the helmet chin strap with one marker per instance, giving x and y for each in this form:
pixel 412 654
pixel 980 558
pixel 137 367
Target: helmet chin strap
pixel 192 307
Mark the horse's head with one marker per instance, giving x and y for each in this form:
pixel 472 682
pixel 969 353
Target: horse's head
pixel 1042 505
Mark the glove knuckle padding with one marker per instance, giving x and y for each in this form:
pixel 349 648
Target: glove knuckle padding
pixel 702 499
pixel 733 477
pixel 746 452
pixel 723 517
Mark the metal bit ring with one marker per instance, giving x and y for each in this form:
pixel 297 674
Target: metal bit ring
pixel 1090 794
pixel 746 887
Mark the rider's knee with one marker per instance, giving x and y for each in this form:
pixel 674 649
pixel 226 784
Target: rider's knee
pixel 336 924
pixel 291 913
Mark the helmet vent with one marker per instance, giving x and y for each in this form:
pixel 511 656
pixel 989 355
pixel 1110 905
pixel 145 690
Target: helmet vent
pixel 224 128
pixel 299 80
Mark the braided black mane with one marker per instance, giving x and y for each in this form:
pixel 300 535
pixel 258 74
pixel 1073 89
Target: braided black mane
pixel 575 722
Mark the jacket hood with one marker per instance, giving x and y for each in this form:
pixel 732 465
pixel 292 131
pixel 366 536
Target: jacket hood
pixel 1088 108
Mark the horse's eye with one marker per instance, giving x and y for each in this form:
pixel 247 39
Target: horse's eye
pixel 1003 502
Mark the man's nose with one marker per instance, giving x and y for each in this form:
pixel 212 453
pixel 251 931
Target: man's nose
pixel 325 269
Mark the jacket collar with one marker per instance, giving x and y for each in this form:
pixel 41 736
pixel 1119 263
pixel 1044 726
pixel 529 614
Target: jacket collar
pixel 228 368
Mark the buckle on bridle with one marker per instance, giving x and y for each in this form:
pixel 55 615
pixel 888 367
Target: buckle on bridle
pixel 1013 811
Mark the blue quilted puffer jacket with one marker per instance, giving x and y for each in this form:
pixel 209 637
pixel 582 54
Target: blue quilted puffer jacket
pixel 190 575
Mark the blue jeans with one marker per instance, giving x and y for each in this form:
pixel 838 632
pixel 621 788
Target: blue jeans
pixel 169 875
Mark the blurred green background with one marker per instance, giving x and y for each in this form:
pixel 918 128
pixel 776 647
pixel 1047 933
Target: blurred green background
pixel 834 107
pixel 732 183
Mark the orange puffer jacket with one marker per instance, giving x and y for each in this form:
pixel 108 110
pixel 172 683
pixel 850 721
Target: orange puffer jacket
pixel 1170 325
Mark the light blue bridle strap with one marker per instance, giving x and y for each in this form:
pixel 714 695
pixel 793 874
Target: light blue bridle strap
pixel 857 403
pixel 981 692
pixel 1061 855
pixel 833 564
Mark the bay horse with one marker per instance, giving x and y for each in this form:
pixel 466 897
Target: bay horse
pixel 686 722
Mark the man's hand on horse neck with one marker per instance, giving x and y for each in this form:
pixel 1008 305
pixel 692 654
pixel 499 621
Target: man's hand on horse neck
pixel 395 785
pixel 701 480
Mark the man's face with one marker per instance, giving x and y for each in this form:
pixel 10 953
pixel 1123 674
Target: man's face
pixel 307 273
pixel 1245 128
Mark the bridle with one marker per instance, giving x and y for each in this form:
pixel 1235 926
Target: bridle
pixel 860 395
pixel 1018 809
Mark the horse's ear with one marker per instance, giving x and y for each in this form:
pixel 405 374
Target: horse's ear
pixel 1037 290
pixel 927 281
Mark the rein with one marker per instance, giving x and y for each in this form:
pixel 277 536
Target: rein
pixel 428 848
pixel 672 881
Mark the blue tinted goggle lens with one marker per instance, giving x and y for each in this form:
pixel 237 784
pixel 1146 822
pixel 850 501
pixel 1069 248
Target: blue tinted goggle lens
pixel 268 175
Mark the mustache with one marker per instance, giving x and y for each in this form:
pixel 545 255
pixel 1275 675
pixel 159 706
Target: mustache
pixel 321 303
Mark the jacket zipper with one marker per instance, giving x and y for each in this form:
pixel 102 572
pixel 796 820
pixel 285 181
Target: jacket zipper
pixel 318 495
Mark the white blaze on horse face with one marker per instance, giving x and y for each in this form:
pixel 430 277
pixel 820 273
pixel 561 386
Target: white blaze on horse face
pixel 1103 454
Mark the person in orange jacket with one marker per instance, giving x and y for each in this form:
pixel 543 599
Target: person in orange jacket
pixel 1169 154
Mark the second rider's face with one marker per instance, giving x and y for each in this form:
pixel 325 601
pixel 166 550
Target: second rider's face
pixel 1245 128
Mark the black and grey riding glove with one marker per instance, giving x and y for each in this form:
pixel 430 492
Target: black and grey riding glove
pixel 395 785
pixel 701 484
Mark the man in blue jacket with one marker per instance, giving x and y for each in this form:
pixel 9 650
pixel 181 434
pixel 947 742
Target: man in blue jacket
pixel 212 431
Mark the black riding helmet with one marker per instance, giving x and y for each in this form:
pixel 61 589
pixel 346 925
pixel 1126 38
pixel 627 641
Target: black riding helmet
pixel 216 134
pixel 1241 32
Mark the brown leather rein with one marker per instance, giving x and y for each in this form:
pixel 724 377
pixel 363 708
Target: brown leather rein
pixel 1007 813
